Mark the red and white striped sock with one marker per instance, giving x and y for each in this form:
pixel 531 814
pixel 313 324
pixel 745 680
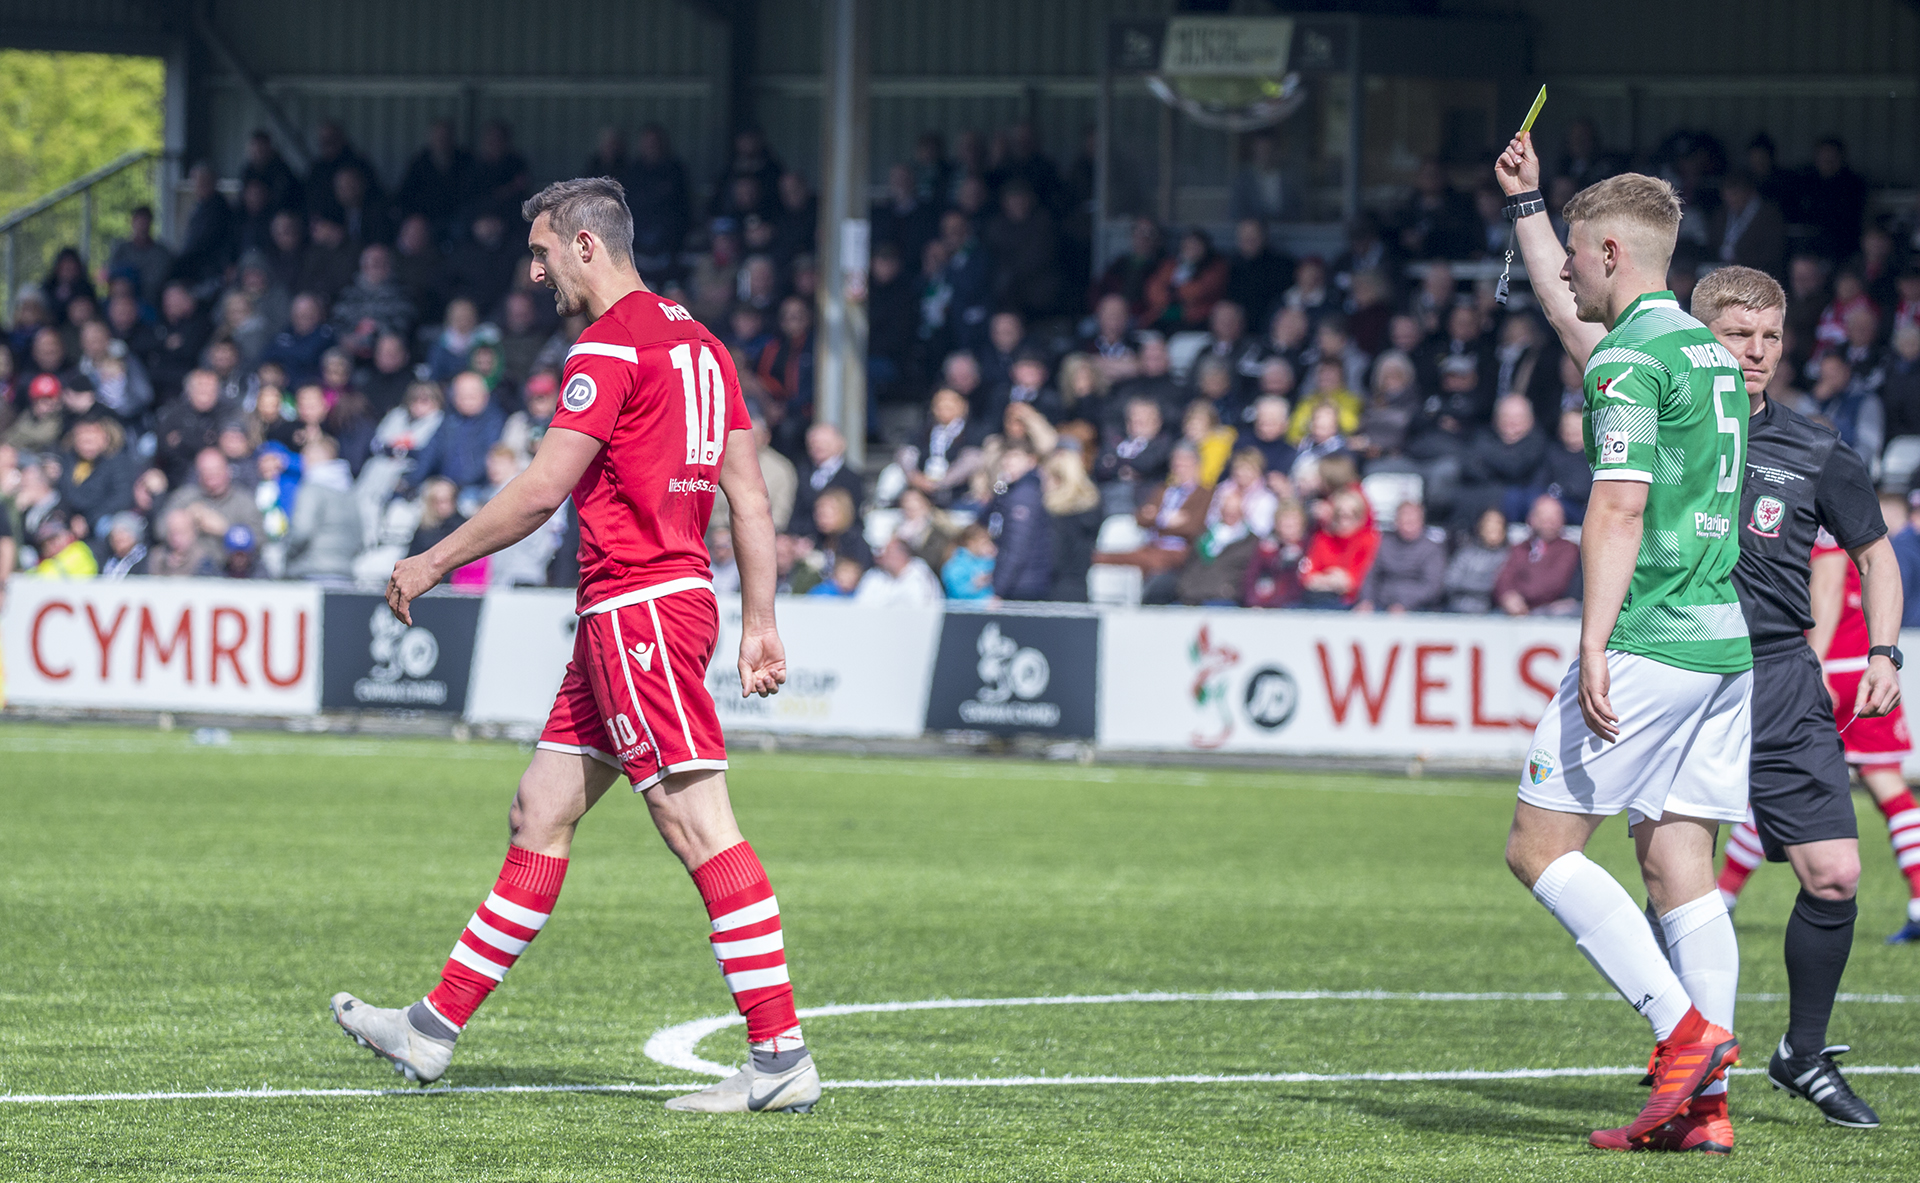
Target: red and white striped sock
pixel 1743 855
pixel 1903 830
pixel 749 946
pixel 515 911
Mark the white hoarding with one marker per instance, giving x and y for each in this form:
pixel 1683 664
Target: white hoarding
pixel 525 641
pixel 1320 682
pixel 247 647
pixel 850 670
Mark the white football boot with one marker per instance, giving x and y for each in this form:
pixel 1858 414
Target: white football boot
pixel 387 1033
pixel 752 1091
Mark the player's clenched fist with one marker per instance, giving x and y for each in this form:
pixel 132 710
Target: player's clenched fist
pixel 1518 169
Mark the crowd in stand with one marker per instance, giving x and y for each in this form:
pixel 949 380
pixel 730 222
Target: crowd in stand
pixel 333 371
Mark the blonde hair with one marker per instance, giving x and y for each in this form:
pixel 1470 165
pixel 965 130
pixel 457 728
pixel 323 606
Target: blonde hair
pixel 1647 207
pixel 1074 366
pixel 1735 287
pixel 1069 490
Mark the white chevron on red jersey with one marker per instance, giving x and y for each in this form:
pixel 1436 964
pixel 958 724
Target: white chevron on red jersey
pixel 661 392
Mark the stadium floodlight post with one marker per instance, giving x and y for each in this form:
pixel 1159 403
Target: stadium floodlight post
pixel 840 372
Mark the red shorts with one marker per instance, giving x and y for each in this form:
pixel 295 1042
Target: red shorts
pixel 635 694
pixel 1883 740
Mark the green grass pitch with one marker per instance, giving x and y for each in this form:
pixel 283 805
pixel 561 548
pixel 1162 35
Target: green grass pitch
pixel 176 916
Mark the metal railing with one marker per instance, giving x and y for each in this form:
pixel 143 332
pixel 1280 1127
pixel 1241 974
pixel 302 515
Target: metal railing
pixel 81 187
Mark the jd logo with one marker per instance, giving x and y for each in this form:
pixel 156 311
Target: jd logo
pixel 1271 698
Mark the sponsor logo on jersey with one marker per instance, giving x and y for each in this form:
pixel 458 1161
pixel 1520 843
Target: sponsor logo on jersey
pixel 1768 513
pixel 1539 765
pixel 698 484
pixel 1711 525
pixel 579 394
pixel 1606 386
pixel 1613 447
pixel 674 311
pixel 643 654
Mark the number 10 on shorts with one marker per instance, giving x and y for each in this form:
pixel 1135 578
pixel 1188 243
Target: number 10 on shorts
pixel 706 399
pixel 621 728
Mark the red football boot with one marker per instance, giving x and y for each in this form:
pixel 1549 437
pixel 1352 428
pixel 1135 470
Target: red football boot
pixel 1694 1056
pixel 1706 1129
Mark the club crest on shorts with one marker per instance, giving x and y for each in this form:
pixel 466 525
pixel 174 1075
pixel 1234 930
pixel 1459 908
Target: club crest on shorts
pixel 1539 765
pixel 1768 512
pixel 580 393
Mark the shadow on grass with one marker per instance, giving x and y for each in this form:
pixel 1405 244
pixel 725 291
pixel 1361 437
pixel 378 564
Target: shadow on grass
pixel 1503 1112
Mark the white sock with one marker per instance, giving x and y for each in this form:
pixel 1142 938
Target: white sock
pixel 1611 931
pixel 1706 958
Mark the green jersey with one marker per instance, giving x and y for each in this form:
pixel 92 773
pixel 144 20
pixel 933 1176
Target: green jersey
pixel 1666 405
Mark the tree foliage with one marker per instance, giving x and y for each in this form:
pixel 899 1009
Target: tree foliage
pixel 61 116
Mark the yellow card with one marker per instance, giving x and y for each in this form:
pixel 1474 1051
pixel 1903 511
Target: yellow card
pixel 1533 113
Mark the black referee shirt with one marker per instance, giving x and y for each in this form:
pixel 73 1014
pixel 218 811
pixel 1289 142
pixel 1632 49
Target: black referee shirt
pixel 1800 479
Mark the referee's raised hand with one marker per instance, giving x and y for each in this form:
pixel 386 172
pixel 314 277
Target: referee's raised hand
pixel 1518 169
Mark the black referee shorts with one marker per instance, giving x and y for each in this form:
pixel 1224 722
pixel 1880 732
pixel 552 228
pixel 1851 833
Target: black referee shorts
pixel 1798 783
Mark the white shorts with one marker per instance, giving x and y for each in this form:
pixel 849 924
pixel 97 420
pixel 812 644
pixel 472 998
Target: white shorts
pixel 1684 745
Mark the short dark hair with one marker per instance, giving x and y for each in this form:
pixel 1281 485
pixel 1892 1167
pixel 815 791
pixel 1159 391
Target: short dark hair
pixel 596 204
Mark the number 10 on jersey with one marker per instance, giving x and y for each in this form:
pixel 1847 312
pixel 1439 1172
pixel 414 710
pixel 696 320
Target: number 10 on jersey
pixel 706 394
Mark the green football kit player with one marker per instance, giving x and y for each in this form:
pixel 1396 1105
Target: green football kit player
pixel 1654 715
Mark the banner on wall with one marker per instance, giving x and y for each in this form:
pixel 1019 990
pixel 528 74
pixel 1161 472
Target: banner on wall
pixel 1166 679
pixel 850 671
pixel 371 660
pixel 1009 672
pixel 1195 680
pixel 163 644
pixel 525 642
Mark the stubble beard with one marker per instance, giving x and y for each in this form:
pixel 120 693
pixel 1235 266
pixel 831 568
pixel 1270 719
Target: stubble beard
pixel 566 303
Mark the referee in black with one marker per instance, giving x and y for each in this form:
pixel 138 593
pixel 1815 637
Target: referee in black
pixel 1801 479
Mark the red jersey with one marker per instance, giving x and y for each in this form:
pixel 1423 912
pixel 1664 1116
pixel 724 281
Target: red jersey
pixel 1850 643
pixel 652 384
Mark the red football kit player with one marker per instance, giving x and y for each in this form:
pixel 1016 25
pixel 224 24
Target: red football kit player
pixel 1876 744
pixel 651 425
pixel 653 385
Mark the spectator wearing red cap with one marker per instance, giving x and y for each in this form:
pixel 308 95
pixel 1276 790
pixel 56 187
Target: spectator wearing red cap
pixel 38 427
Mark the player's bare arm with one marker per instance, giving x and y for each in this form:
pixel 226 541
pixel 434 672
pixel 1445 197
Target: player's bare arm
pixel 763 660
pixel 1883 599
pixel 517 511
pixel 1518 171
pixel 1609 549
pixel 1826 588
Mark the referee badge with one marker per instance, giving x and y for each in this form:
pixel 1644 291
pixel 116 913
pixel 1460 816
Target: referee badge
pixel 1768 512
pixel 1539 765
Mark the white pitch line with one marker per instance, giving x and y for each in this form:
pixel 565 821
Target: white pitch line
pixel 674 1046
pixel 937 1082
